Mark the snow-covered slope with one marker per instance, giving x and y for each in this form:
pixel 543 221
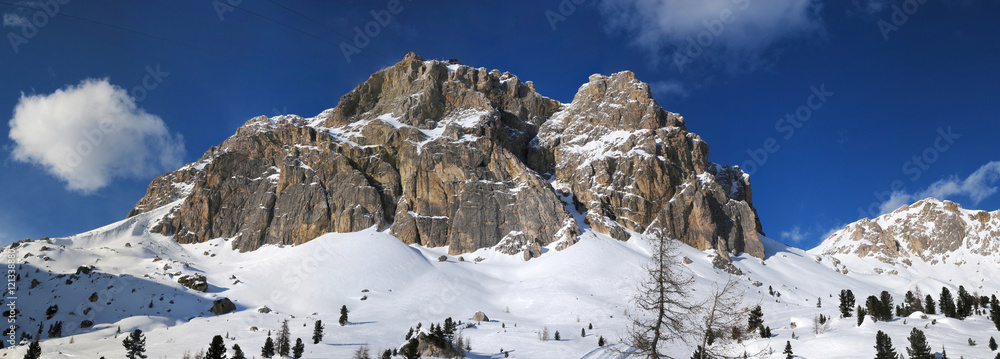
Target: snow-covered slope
pixel 588 283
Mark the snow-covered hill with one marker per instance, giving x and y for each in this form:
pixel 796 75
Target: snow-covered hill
pixel 135 272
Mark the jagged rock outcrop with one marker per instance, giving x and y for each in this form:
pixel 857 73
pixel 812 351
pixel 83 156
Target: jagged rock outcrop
pixel 449 155
pixel 633 166
pixel 929 231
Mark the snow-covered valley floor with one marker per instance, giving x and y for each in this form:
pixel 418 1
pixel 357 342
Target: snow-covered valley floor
pixel 135 278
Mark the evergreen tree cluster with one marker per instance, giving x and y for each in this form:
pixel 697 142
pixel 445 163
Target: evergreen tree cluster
pixel 283 346
pixel 964 303
pixel 439 335
pixel 911 303
pixel 846 303
pixel 880 308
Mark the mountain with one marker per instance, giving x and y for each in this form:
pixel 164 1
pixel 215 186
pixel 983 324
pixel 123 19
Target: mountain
pixel 421 196
pixel 929 238
pixel 448 155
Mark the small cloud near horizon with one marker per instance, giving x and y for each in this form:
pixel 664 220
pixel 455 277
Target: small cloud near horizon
pixel 795 234
pixel 977 187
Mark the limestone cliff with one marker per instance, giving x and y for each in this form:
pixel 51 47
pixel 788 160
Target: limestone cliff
pixel 449 155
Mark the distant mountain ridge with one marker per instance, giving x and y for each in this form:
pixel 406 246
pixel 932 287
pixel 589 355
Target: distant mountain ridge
pixel 926 236
pixel 449 155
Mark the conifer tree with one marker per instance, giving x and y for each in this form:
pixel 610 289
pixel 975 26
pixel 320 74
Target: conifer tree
pixel 918 348
pixel 387 354
pixel 874 307
pixel 318 332
pixel 284 339
pixel 557 336
pixel 913 303
pixel 583 332
pixel 755 320
pixel 135 345
pixel 929 306
pixel 449 328
pixel 861 315
pixel 947 304
pixel 34 351
pixel 960 308
pixel 300 347
pixel 883 346
pixel 993 344
pixel 965 302
pixel 995 311
pixel 788 350
pixel 886 309
pixel 238 352
pixel 600 341
pixel 846 303
pixel 343 316
pixel 268 350
pixel 217 349
pixel 409 350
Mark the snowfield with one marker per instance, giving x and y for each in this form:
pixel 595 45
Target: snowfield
pixel 389 287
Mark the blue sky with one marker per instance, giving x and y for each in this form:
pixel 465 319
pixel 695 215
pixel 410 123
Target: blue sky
pixel 169 79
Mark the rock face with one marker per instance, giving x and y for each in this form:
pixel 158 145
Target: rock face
pixel 929 231
pixel 633 166
pixel 449 155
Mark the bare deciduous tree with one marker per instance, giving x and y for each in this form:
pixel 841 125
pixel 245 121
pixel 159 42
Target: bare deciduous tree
pixel 668 317
pixel 665 314
pixel 723 317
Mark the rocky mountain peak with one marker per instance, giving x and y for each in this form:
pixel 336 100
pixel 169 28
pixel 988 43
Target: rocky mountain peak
pixel 449 155
pixel 929 230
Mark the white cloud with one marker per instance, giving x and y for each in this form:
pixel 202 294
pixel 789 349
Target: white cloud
pixel 665 28
pixel 795 234
pixel 977 186
pixel 14 20
pixel 90 133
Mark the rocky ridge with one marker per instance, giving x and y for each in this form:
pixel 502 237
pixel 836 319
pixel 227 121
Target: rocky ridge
pixel 450 155
pixel 929 231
